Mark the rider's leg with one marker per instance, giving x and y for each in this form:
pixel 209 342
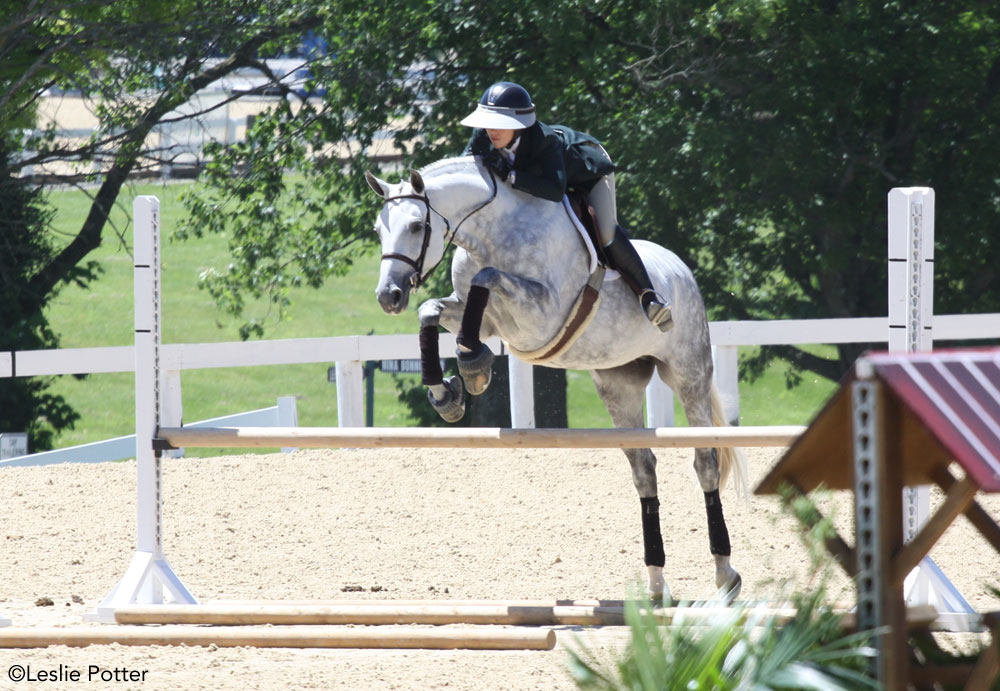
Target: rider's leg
pixel 622 255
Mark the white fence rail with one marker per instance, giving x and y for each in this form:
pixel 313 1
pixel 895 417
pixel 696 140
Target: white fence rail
pixel 291 351
pixel 727 336
pixel 182 356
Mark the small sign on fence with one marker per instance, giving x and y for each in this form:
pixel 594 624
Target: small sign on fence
pixel 13 444
pixel 402 366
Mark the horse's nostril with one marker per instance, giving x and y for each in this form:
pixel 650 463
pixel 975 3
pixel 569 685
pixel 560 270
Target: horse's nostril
pixel 397 295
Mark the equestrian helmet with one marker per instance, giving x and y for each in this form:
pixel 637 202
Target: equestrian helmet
pixel 504 106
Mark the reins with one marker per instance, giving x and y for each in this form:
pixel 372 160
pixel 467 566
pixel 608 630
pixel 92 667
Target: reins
pixel 418 278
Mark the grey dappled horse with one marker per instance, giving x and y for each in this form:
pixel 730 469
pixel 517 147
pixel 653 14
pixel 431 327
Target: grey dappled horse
pixel 524 262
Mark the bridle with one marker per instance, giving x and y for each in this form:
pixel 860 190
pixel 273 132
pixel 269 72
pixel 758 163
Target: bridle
pixel 419 276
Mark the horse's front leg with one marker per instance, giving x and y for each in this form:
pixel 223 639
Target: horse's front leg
pixel 445 395
pixel 475 359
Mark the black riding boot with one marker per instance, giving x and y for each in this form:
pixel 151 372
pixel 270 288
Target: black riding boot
pixel 623 258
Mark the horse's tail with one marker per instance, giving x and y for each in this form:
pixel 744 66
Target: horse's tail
pixel 731 459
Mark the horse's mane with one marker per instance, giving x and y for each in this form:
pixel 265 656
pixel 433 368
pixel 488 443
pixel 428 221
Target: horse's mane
pixel 446 165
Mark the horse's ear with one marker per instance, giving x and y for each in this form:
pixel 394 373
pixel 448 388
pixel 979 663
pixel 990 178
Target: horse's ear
pixel 378 186
pixel 416 182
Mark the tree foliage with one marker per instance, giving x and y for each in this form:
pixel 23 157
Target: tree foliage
pixel 27 404
pixel 135 63
pixel 756 138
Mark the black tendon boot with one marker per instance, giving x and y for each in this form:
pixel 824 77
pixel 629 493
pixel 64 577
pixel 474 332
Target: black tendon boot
pixel 625 260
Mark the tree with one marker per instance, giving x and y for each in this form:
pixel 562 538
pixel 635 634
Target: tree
pixel 136 63
pixel 788 124
pixel 27 404
pixel 757 139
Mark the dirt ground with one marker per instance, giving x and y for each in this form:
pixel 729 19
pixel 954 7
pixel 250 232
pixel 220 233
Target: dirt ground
pixel 389 524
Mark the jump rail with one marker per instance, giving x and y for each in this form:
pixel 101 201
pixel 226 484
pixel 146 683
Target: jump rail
pixel 438 614
pixel 475 437
pixel 285 637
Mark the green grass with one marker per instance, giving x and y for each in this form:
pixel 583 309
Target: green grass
pixel 102 316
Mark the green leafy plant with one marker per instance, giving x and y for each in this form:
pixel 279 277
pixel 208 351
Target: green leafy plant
pixel 740 647
pixel 707 646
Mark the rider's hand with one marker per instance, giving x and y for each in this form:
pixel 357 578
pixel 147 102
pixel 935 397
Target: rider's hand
pixel 498 163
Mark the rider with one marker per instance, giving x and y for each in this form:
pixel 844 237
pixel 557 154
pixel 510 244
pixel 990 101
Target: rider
pixel 545 161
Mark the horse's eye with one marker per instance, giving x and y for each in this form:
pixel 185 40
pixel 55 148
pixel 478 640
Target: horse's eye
pixel 416 226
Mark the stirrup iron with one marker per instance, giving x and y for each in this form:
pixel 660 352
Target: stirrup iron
pixel 658 312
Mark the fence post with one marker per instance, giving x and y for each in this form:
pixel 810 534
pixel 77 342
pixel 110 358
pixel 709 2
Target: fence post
pixel 288 416
pixel 726 360
pixel 350 394
pixel 172 414
pixel 148 395
pixel 522 393
pixel 659 403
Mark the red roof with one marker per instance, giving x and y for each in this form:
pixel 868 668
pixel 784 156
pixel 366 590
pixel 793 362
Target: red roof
pixel 956 395
pixel 949 403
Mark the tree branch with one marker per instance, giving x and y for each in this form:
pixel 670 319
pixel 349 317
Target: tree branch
pixel 130 150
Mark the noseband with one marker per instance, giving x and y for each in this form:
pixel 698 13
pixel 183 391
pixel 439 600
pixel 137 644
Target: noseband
pixel 419 276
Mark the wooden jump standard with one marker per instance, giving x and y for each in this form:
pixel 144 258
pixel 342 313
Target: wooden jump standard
pixel 903 420
pixel 476 437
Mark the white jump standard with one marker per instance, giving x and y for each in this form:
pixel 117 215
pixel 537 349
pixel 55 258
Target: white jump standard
pixel 149 573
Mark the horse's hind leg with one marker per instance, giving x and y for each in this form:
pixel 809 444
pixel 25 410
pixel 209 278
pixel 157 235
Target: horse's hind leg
pixel 695 394
pixel 623 390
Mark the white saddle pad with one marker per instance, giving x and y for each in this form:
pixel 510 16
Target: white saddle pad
pixel 611 275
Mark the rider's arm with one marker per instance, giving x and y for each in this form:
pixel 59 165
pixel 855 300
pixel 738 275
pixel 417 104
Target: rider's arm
pixel 545 176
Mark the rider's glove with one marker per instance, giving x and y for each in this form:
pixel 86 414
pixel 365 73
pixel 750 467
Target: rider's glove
pixel 497 163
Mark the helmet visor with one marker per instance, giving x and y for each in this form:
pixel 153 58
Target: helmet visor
pixel 497 118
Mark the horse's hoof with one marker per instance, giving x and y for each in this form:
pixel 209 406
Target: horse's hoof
pixel 659 593
pixel 729 591
pixel 476 369
pixel 452 407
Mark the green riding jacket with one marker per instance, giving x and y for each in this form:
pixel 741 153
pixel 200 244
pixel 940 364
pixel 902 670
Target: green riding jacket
pixel 551 159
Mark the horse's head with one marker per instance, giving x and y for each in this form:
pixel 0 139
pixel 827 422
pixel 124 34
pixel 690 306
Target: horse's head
pixel 412 238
